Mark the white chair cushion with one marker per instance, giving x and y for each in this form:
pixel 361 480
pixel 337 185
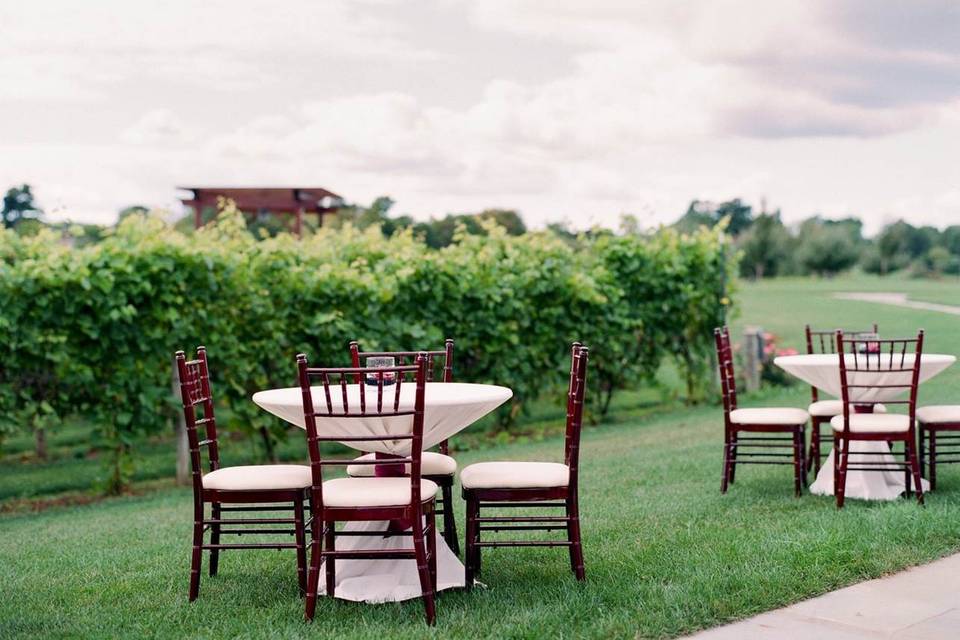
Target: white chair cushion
pixel 939 413
pixel 825 408
pixel 431 464
pixel 259 477
pixel 873 423
pixel 830 408
pixel 373 492
pixel 769 415
pixel 515 475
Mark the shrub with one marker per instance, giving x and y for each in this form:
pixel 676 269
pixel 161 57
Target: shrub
pixel 91 330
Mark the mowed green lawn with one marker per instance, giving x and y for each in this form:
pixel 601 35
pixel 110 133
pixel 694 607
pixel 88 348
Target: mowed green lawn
pixel 666 554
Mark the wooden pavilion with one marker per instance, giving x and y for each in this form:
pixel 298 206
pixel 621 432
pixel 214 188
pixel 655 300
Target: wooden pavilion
pixel 294 202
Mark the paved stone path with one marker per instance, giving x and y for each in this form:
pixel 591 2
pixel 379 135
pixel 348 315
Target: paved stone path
pixel 922 603
pixel 900 300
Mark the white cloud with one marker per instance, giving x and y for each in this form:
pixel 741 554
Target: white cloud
pixel 157 126
pixel 620 106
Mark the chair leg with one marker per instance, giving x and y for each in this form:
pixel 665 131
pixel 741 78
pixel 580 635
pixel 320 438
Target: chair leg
pixel 907 475
pixel 803 458
pixel 813 456
pixel 301 538
pixel 449 520
pixel 933 458
pixel 573 536
pixel 426 588
pixel 329 542
pixel 915 469
pixel 725 477
pixel 197 556
pixel 797 463
pixel 313 574
pixel 214 539
pixel 733 457
pixel 432 548
pixel 471 551
pixel 840 451
pixel 921 452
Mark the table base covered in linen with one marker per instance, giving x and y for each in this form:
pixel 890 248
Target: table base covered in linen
pixel 384 580
pixel 865 485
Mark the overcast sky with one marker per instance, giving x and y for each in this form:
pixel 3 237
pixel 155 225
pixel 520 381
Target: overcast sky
pixel 575 110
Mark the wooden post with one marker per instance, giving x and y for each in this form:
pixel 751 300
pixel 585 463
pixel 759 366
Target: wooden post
pixel 752 356
pixel 180 434
pixel 298 222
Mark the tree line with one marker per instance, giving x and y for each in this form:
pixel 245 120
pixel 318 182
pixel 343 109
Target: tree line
pixel 825 247
pixel 768 247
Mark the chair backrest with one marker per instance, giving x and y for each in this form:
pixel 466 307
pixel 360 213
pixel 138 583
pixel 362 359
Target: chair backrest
pixel 728 384
pixel 380 400
pixel 825 341
pixel 195 393
pixel 575 394
pixel 404 357
pixel 868 363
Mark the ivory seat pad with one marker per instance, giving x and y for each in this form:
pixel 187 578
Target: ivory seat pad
pixel 830 408
pixel 261 477
pixel 431 464
pixel 873 423
pixel 515 475
pixel 373 492
pixel 769 415
pixel 939 413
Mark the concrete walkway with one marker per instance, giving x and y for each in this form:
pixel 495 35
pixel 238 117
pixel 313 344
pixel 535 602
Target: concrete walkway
pixel 922 603
pixel 899 300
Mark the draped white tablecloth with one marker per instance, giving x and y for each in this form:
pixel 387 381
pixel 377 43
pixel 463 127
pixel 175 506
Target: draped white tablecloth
pixel 823 372
pixel 449 407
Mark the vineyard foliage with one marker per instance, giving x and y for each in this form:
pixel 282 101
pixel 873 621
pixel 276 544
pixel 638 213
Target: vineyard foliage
pixel 91 330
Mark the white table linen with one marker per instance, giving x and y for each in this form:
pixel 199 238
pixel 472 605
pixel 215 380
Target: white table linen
pixel 449 407
pixel 865 485
pixel 823 372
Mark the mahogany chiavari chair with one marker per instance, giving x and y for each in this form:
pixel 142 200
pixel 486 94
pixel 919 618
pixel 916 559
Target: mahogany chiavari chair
pixel 870 364
pixel 530 485
pixel 402 499
pixel 250 488
pixel 438 467
pixel 821 411
pixel 767 429
pixel 939 427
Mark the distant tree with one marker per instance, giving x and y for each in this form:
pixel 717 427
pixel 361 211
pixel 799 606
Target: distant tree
pixel 27 227
pixel 765 247
pixel 898 244
pixel 84 234
pixel 562 230
pixel 935 262
pixel 700 213
pixel 739 214
pixel 439 232
pixel 826 250
pixel 18 205
pixel 853 227
pixel 509 219
pixel 132 210
pixel 950 239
